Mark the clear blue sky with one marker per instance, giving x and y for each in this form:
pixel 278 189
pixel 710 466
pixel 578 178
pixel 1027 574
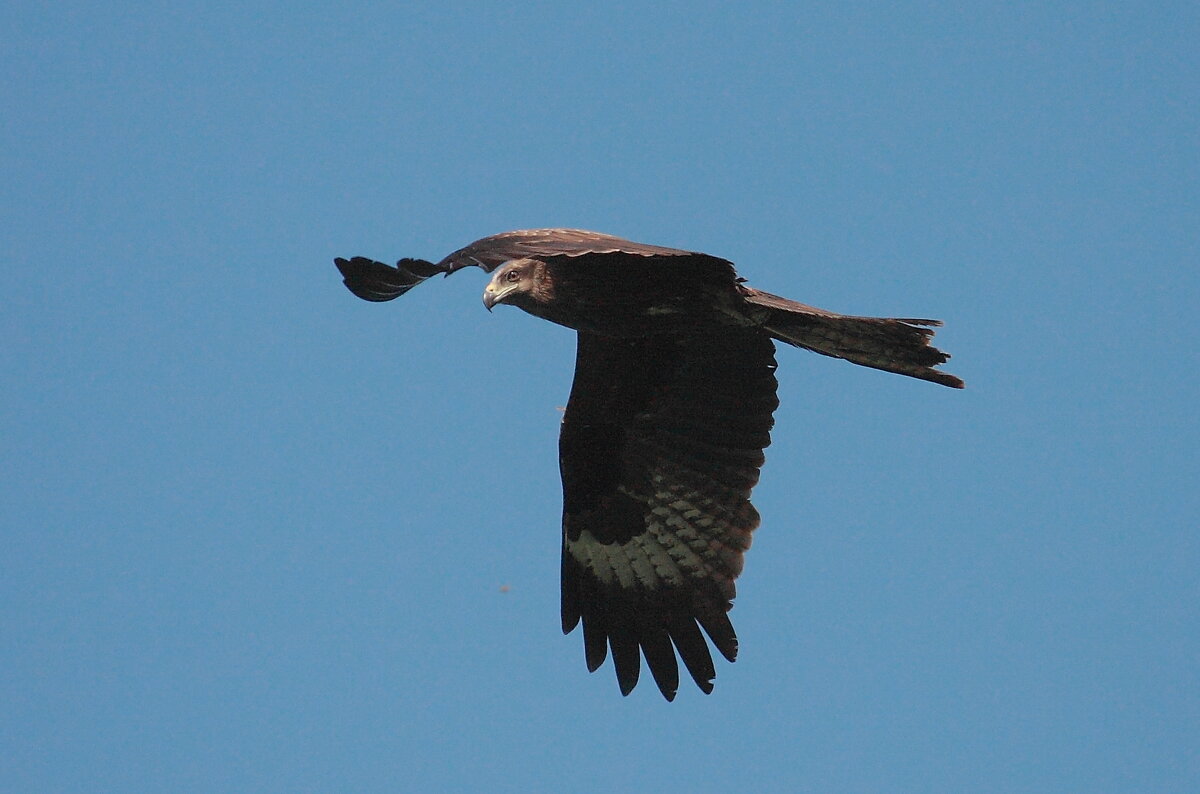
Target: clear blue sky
pixel 255 531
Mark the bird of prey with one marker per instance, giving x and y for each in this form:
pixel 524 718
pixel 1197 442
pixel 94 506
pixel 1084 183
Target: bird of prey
pixel 664 430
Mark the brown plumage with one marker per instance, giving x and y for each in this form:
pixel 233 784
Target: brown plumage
pixel 665 428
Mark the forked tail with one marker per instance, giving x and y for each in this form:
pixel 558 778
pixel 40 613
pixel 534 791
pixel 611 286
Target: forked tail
pixel 891 344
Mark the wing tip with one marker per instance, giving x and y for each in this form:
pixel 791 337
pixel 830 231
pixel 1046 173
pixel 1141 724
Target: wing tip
pixel 377 282
pixel 943 379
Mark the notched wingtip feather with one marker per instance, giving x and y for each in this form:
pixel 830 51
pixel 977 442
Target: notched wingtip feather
pixel 378 282
pixel 946 379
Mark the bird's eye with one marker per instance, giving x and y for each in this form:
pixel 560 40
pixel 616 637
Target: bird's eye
pixel 512 277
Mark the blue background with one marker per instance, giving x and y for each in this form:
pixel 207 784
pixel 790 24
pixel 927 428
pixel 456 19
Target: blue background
pixel 260 535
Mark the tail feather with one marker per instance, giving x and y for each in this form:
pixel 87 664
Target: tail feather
pixel 886 343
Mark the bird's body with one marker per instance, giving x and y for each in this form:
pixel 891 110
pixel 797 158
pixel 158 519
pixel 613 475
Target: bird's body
pixel 662 440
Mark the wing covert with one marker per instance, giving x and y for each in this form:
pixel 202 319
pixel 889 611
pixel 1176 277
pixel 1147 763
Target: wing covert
pixel 491 252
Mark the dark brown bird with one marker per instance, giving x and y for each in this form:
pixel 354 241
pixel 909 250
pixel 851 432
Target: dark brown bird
pixel 665 427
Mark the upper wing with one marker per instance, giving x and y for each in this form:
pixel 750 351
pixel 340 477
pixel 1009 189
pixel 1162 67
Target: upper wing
pixel 660 446
pixel 491 252
pixel 376 281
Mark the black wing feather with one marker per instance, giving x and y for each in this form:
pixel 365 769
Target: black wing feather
pixel 655 638
pixel 377 282
pixel 661 443
pixel 693 650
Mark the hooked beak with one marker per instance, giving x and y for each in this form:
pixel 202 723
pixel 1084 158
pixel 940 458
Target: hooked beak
pixel 492 295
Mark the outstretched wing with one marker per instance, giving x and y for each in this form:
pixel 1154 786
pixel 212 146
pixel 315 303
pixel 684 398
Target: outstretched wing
pixel 375 281
pixel 660 446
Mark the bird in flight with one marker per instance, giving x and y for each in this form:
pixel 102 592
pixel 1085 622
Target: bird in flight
pixel 663 435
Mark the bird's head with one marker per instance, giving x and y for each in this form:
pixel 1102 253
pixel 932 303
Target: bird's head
pixel 520 283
